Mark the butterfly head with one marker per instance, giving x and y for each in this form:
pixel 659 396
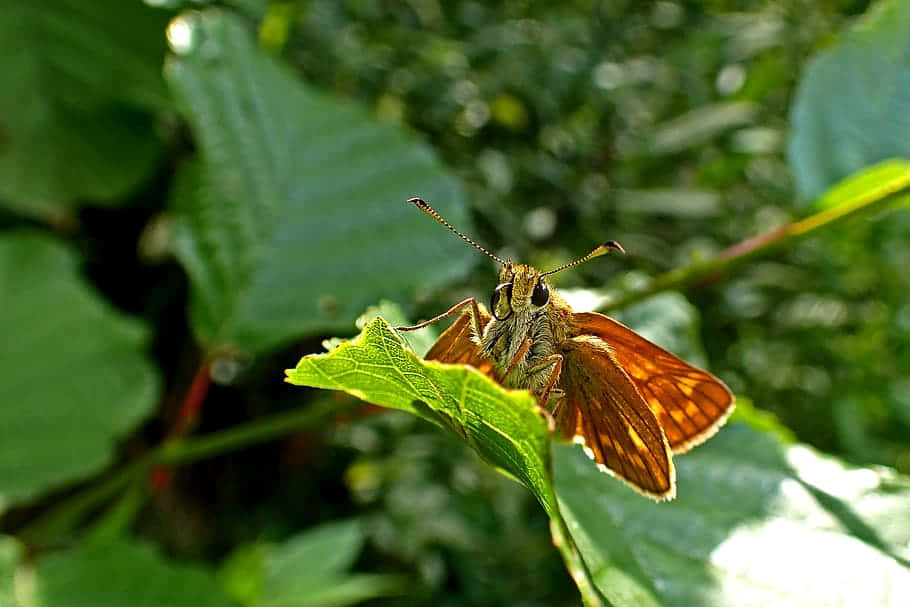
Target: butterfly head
pixel 521 289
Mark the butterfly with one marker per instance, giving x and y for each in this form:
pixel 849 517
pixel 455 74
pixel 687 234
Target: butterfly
pixel 631 404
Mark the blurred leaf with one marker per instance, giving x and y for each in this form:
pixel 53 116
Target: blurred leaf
pixel 852 107
pixel 11 551
pixel 503 426
pixel 114 574
pixel 869 184
pixel 311 555
pixel 308 570
pixel 679 202
pixel 74 373
pixel 761 421
pixel 697 126
pixel 295 217
pixel 78 82
pixel 755 523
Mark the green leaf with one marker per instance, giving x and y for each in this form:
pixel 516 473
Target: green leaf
pixel 294 217
pixel 78 84
pixel 852 107
pixel 307 570
pixel 696 127
pixel 74 373
pixel 754 523
pixel 503 426
pixel 868 185
pixel 11 552
pixel 102 574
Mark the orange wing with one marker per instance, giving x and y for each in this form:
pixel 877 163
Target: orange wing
pixel 456 346
pixel 690 404
pixel 602 410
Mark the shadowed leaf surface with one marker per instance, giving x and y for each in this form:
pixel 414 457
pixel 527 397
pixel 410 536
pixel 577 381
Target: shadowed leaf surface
pixel 121 573
pixel 78 82
pixel 74 378
pixel 294 217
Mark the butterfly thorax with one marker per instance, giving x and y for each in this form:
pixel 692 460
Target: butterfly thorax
pixel 516 319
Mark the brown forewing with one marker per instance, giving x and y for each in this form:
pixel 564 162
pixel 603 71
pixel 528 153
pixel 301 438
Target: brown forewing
pixel 690 404
pixel 602 409
pixel 456 346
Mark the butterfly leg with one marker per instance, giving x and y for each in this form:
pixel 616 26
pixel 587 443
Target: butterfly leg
pixel 556 361
pixel 518 356
pixel 475 317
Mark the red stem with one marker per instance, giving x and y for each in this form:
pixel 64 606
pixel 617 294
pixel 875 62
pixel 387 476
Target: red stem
pixel 191 407
pixel 160 477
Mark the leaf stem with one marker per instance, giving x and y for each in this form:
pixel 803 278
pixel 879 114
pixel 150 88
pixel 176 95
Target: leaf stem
pixel 192 403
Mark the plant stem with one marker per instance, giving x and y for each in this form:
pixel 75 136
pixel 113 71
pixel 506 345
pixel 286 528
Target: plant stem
pixel 184 452
pixel 192 403
pixel 578 569
pixel 873 199
pixel 56 522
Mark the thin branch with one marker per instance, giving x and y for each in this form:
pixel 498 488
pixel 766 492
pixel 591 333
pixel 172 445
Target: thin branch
pixel 870 201
pixel 61 518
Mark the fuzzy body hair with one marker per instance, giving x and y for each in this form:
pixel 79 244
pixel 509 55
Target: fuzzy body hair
pixel 546 325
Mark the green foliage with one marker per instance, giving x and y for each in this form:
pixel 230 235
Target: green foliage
pixel 78 86
pixel 308 570
pixel 504 426
pixel 853 102
pixel 739 495
pixel 272 161
pixel 120 573
pixel 754 524
pixel 93 383
pixel 293 188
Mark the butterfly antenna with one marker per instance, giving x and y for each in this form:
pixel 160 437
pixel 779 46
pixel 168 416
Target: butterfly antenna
pixel 426 208
pixel 610 245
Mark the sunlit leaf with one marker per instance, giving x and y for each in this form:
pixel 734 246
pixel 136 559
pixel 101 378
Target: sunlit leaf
pixel 754 523
pixel 503 426
pixel 852 107
pixel 74 378
pixel 11 552
pixel 294 217
pixel 78 84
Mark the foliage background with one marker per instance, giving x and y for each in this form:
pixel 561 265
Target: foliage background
pixel 140 187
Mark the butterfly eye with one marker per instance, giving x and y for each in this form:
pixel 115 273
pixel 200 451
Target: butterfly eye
pixel 501 301
pixel 541 294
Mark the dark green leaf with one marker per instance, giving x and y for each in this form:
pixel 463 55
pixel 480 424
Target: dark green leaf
pixel 120 573
pixel 294 219
pixel 74 373
pixel 78 81
pixel 852 108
